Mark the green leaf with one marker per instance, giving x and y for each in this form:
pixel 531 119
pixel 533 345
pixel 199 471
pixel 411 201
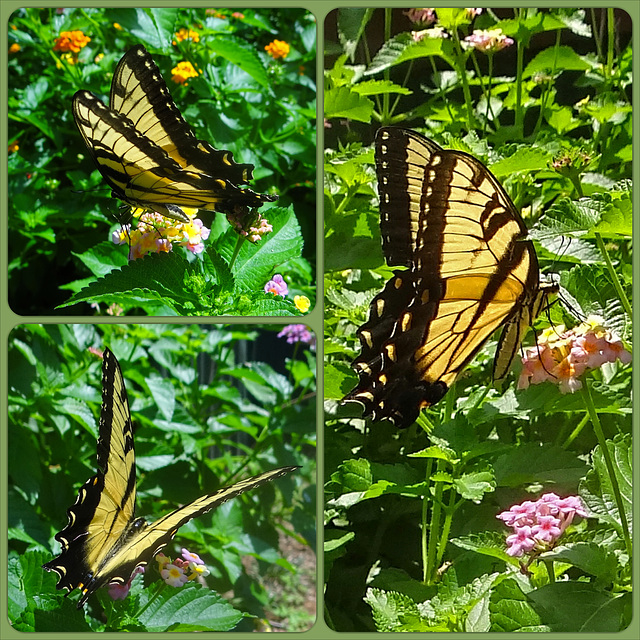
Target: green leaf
pixel 594 559
pixel 353 475
pixel 378 87
pixel 510 610
pixel 351 25
pixel 189 608
pixel 239 54
pixel 526 159
pixel 392 611
pixel 473 486
pixel 162 275
pixel 579 607
pixel 163 394
pixel 556 59
pixel 531 463
pixel 257 263
pixel 596 489
pixel 343 102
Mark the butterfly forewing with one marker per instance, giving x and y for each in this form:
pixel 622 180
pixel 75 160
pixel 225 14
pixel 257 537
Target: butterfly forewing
pixel 148 154
pixel 139 93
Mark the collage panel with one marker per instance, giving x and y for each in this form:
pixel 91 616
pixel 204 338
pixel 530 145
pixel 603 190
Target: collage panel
pixel 162 161
pixel 214 505
pixel 478 184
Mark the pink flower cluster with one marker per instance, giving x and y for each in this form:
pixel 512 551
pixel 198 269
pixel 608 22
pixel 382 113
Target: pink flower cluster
pixel 562 356
pixel 421 16
pixel 250 225
pixel 538 525
pixel 298 333
pixel 488 40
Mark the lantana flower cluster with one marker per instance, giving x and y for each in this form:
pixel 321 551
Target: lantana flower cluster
pixel 278 49
pixel 252 226
pixel 71 41
pixel 484 40
pixel 156 234
pixel 299 333
pixel 488 41
pixel 181 570
pixel 186 34
pixel 183 72
pixel 174 572
pixel 538 525
pixel 561 355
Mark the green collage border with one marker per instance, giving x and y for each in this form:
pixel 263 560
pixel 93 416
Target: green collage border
pixel 9 320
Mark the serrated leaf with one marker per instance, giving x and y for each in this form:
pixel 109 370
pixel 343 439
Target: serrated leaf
pixel 256 263
pixel 351 24
pixel 154 277
pixel 343 102
pixel 378 87
pixel 526 159
pixel 596 490
pixel 353 475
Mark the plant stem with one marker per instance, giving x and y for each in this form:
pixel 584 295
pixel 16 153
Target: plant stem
pixel 614 276
pixel 236 251
pixel 606 454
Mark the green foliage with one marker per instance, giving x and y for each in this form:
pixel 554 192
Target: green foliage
pixel 412 542
pixel 261 109
pixel 207 410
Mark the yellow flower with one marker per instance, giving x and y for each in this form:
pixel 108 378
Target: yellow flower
pixel 117 26
pixel 186 34
pixel 183 72
pixel 13 147
pixel 302 303
pixel 14 48
pixel 69 58
pixel 71 41
pixel 278 49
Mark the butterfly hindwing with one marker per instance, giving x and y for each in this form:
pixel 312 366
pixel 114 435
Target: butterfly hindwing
pixel 470 270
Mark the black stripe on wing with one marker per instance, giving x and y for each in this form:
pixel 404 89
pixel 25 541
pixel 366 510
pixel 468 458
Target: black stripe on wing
pixel 139 92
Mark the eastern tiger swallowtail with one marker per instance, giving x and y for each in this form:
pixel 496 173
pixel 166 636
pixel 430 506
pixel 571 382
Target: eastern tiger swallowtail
pixel 103 541
pixel 148 154
pixel 469 270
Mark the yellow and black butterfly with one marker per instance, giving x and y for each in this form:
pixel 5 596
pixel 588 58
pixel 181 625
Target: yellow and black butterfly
pixel 104 543
pixel 148 154
pixel 469 271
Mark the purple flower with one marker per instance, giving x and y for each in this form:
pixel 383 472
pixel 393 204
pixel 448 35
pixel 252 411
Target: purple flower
pixel 298 333
pixel 277 286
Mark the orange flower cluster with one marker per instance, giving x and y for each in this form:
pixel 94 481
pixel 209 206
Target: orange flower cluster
pixel 183 72
pixel 73 41
pixel 186 34
pixel 278 49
